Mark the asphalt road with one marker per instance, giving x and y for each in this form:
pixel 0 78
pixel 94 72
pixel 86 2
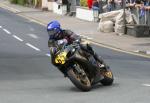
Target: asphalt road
pixel 27 76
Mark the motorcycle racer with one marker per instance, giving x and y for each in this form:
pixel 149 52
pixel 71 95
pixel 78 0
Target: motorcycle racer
pixel 58 36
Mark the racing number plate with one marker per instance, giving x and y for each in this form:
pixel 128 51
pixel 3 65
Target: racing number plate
pixel 60 59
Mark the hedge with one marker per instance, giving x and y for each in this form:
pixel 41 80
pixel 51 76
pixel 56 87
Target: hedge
pixel 83 3
pixel 21 2
pixel 13 1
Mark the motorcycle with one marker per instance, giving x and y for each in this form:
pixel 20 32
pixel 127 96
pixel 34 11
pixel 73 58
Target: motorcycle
pixel 83 70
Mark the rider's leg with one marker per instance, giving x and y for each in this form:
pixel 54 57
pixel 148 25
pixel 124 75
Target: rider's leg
pixel 95 55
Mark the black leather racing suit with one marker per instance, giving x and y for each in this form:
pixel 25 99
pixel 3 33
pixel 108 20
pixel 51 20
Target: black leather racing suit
pixel 70 37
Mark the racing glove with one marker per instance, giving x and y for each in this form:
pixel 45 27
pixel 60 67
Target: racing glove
pixel 62 41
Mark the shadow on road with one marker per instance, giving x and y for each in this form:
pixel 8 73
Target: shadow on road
pixel 97 87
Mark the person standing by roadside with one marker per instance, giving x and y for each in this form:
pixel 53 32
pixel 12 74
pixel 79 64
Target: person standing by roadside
pixel 89 2
pixel 119 4
pixel 100 2
pixel 95 5
pixel 96 10
pixel 147 3
pixel 110 5
pixel 68 4
pixel 77 2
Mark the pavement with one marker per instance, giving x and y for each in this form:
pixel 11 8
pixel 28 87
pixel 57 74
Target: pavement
pixel 88 30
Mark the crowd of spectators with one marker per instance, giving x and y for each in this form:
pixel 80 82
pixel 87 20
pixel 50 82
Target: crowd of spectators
pixel 104 5
pixel 110 5
pixel 142 8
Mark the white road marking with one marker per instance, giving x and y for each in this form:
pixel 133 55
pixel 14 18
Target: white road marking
pixel 86 37
pixel 0 26
pixel 16 37
pixel 7 31
pixel 15 10
pixel 32 20
pixel 10 8
pixel 33 47
pixel 136 51
pixel 33 36
pixel 89 38
pixel 48 55
pixel 147 85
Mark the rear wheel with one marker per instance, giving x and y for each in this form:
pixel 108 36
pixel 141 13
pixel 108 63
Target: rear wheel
pixel 79 78
pixel 106 72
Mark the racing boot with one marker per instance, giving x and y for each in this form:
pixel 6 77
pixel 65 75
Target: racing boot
pixel 95 55
pixel 99 60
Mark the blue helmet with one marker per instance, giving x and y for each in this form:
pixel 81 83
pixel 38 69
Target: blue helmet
pixel 54 29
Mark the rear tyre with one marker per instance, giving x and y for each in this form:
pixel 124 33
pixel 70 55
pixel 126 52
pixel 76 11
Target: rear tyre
pixel 82 82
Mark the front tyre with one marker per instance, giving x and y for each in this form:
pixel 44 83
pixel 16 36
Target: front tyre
pixel 108 78
pixel 81 82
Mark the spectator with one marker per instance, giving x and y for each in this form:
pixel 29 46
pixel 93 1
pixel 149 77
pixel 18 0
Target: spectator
pixel 119 4
pixel 146 2
pixel 100 2
pixel 68 2
pixel 96 10
pixel 77 2
pixel 138 1
pixel 142 11
pixel 89 2
pixel 110 5
pixel 131 1
pixel 95 5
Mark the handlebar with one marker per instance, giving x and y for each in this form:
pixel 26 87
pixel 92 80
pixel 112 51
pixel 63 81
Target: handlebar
pixel 75 45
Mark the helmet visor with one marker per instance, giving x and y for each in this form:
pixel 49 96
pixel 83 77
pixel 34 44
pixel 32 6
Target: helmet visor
pixel 52 32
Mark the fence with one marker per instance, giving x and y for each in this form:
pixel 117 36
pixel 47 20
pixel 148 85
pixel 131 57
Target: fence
pixel 142 14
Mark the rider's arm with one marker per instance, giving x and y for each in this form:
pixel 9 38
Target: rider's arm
pixel 51 43
pixel 71 36
pixel 62 41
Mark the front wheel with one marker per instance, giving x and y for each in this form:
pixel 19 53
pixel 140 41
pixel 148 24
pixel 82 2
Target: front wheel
pixel 108 77
pixel 80 80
